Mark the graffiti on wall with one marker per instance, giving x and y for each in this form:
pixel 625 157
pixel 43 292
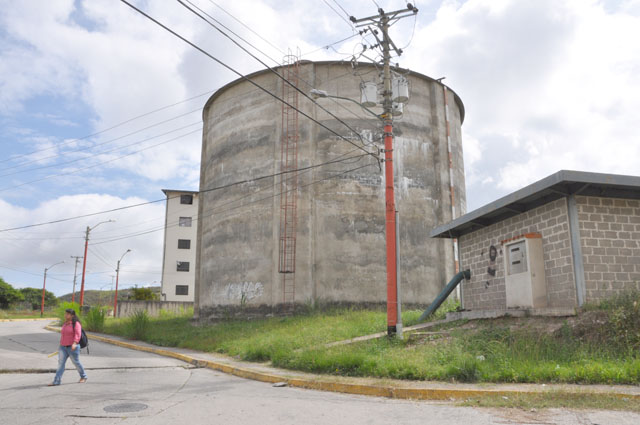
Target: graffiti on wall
pixel 243 291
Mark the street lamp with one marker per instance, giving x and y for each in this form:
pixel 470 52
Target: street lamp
pixel 44 284
pixel 84 263
pixel 315 93
pixel 115 298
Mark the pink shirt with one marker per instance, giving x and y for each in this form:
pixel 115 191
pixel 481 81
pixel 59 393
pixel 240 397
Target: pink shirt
pixel 68 335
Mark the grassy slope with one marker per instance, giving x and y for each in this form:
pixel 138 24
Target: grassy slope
pixel 490 352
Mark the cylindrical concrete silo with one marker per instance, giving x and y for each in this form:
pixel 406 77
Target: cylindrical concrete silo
pixel 340 248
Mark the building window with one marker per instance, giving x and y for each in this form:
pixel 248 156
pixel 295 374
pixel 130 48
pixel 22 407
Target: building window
pixel 184 222
pixel 182 289
pixel 184 243
pixel 183 266
pixel 186 199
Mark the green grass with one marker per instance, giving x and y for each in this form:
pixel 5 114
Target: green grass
pixel 24 314
pixel 587 352
pixel 263 339
pixel 553 399
pixel 490 355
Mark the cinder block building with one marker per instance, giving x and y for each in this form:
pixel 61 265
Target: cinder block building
pixel 570 238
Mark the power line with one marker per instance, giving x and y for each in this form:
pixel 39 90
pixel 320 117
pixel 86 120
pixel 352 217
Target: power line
pixel 164 199
pixel 244 77
pixel 340 15
pixel 329 45
pixel 268 67
pixel 103 152
pixel 342 8
pixel 98 164
pixel 107 129
pixel 101 143
pixel 275 61
pixel 252 202
pixel 176 223
pixel 31 273
pixel 247 27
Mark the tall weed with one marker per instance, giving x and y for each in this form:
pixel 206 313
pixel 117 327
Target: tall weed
pixel 138 325
pixel 94 319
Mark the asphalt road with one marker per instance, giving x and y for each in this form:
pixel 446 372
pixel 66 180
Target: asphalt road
pixel 132 387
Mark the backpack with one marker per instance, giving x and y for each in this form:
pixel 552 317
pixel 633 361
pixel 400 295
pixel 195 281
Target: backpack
pixel 84 340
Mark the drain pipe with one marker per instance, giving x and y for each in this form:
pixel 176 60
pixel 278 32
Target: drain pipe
pixel 445 293
pixel 399 310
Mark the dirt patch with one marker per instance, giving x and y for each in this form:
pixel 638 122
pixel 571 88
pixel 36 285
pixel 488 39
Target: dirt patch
pixel 587 326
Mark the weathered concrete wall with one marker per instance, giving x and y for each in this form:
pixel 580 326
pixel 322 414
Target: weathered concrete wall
pixel 153 308
pixel 486 290
pixel 341 227
pixel 610 242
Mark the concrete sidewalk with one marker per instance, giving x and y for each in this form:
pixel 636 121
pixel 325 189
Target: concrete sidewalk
pixel 415 390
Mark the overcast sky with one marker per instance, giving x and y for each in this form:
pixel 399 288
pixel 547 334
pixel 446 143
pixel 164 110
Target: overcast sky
pixel 547 85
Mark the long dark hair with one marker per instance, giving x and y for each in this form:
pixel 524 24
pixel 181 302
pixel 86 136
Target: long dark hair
pixel 74 318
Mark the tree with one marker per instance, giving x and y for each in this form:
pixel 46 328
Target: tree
pixel 33 296
pixel 8 294
pixel 142 294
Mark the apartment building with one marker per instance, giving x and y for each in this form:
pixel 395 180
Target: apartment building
pixel 179 256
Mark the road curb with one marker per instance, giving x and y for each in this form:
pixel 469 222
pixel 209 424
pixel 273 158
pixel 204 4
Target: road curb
pixel 28 320
pixel 388 391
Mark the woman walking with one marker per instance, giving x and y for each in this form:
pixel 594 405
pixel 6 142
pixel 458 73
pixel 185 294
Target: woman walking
pixel 70 346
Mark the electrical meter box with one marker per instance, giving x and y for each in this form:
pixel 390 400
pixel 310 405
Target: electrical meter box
pixel 524 272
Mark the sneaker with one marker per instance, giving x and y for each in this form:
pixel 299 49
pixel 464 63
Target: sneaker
pixel 82 380
pixel 53 384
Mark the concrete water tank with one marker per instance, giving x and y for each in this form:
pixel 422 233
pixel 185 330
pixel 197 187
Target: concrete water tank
pixel 340 235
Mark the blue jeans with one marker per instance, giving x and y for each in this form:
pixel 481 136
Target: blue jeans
pixel 63 354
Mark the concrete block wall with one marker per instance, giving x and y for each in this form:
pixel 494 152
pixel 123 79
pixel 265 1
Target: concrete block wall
pixel 610 243
pixel 486 291
pixel 153 308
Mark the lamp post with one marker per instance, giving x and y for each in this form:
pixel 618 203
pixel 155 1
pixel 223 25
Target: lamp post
pixel 44 284
pixel 115 298
pixel 84 263
pixel 315 93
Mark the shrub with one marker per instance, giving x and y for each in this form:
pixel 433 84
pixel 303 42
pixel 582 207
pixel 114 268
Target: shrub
pixel 9 295
pixel 65 305
pixel 94 319
pixel 138 325
pixel 624 320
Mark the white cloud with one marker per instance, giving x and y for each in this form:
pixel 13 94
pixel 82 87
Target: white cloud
pixel 547 85
pixel 35 248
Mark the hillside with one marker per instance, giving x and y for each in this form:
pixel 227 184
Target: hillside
pixel 97 297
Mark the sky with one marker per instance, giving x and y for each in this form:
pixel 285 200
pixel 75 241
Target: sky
pixel 100 108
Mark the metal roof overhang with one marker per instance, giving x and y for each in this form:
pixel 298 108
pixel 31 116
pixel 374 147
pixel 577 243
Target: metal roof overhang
pixel 166 191
pixel 558 185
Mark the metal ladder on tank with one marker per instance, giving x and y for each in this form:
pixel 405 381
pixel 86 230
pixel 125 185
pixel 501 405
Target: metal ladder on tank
pixel 289 180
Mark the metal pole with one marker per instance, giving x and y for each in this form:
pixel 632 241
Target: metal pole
pixel 44 283
pixel 392 302
pixel 84 263
pixel 75 269
pixel 84 266
pixel 399 322
pixel 115 298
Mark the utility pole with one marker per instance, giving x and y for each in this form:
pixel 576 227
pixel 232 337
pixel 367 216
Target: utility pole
pixel 383 21
pixel 44 284
pixel 115 298
pixel 84 263
pixel 75 269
